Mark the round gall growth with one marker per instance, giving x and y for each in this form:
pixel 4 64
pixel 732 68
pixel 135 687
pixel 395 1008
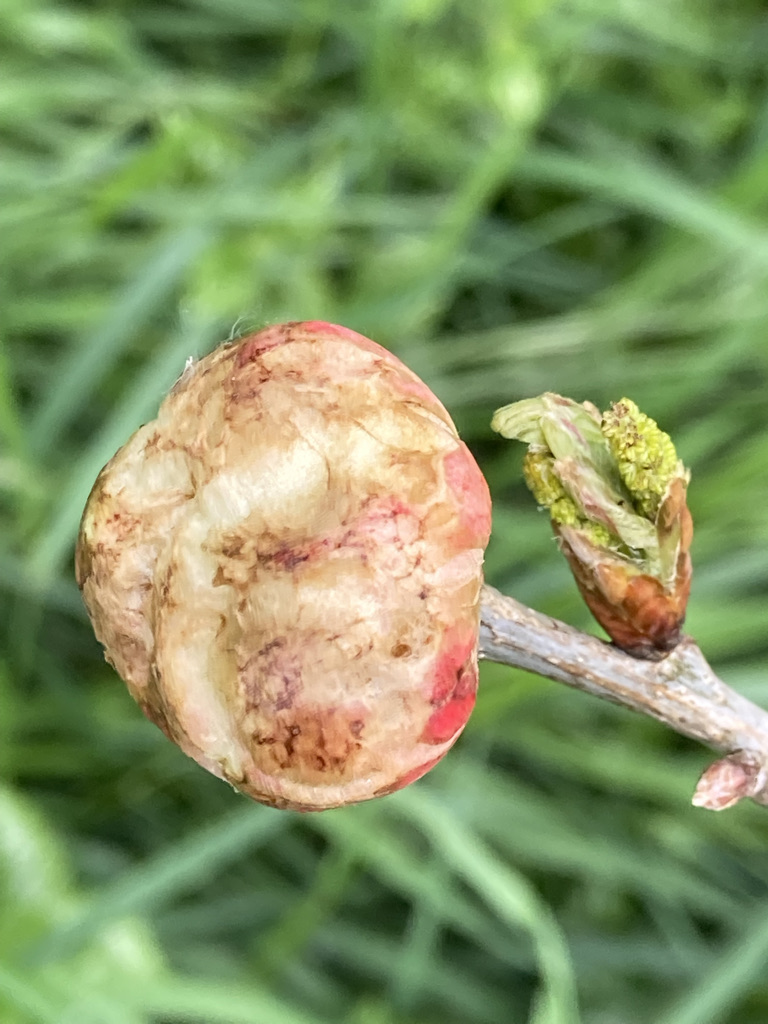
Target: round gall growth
pixel 285 568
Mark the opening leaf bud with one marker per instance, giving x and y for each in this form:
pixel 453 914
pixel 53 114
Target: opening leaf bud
pixel 615 491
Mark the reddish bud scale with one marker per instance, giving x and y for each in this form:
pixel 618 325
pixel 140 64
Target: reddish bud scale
pixel 635 611
pixel 285 568
pixel 640 614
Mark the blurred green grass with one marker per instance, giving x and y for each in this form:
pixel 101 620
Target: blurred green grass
pixel 515 198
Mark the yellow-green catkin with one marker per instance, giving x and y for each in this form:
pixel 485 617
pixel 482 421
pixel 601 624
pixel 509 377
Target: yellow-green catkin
pixel 645 455
pixel 548 491
pixel 544 483
pixel 600 535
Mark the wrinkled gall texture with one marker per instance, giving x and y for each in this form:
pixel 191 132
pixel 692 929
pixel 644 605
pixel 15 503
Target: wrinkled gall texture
pixel 285 568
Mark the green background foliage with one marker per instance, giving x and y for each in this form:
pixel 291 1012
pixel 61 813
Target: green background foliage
pixel 515 197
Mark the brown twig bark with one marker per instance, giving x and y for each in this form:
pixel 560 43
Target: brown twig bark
pixel 680 690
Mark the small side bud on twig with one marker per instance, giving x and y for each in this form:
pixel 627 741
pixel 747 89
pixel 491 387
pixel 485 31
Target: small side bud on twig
pixel 616 494
pixel 729 780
